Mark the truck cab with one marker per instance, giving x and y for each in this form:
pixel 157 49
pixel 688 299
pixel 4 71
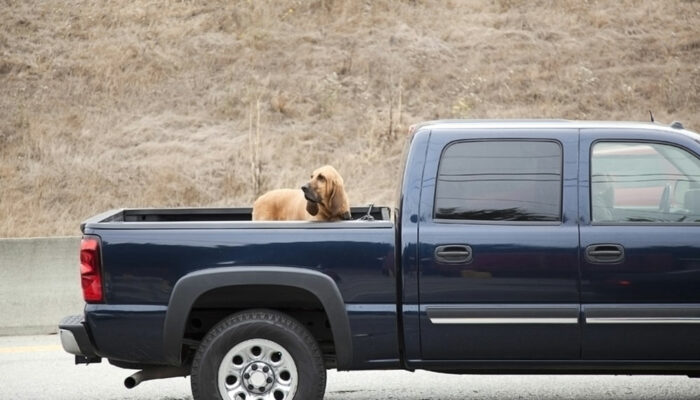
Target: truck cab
pixel 549 241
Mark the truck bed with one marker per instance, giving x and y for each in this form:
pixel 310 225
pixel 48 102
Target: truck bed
pixel 145 253
pixel 200 217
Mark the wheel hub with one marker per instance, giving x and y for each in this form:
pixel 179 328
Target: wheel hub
pixel 258 377
pixel 258 369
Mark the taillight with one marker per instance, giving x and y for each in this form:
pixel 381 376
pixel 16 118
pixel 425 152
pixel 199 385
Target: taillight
pixel 90 274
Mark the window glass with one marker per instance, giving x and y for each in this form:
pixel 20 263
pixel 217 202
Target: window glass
pixel 644 182
pixel 500 181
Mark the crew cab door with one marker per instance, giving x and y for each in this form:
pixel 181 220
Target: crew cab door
pixel 640 242
pixel 498 254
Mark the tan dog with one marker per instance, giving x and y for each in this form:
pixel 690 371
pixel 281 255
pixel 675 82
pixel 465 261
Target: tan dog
pixel 323 198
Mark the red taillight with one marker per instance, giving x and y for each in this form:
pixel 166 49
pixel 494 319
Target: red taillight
pixel 90 275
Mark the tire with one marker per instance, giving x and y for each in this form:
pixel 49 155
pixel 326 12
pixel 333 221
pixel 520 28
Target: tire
pixel 258 355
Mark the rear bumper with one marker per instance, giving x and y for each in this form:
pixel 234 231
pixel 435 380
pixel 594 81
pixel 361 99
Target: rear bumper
pixel 75 339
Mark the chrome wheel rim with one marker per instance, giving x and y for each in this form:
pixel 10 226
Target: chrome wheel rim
pixel 258 369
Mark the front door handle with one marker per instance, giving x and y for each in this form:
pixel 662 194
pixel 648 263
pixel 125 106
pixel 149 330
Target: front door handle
pixel 605 254
pixel 453 254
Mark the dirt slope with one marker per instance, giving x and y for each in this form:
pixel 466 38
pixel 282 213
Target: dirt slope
pixel 107 104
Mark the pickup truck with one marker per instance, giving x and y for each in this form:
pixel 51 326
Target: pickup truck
pixel 550 247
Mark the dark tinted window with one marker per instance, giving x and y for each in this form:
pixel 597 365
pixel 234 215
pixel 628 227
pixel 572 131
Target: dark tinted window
pixel 500 181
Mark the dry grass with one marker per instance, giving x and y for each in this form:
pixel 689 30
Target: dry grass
pixel 148 103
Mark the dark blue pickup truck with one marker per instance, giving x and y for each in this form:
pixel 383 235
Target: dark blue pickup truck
pixel 515 247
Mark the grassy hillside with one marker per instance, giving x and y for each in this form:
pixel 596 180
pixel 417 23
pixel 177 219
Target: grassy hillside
pixel 107 104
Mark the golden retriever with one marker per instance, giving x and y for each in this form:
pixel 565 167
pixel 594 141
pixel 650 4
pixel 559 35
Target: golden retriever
pixel 323 198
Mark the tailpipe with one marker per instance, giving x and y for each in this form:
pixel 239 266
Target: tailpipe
pixel 154 373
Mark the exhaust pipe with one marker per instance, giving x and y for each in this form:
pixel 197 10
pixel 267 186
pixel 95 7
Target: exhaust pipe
pixel 154 373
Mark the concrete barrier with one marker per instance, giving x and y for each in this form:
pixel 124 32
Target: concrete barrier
pixel 39 284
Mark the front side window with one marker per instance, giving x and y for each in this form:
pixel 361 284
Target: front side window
pixel 501 180
pixel 644 182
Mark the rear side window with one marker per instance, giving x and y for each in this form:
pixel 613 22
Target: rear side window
pixel 644 182
pixel 500 180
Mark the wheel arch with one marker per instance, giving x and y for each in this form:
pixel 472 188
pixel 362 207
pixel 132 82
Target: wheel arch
pixel 192 286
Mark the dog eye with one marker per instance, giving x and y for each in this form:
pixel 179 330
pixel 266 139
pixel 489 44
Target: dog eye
pixel 321 178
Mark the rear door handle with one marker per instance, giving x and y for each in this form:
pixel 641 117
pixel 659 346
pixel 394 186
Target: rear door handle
pixel 605 253
pixel 453 254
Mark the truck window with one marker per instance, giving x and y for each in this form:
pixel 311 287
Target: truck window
pixel 644 182
pixel 500 180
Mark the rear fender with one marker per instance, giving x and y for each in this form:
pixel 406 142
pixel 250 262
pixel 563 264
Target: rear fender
pixel 191 286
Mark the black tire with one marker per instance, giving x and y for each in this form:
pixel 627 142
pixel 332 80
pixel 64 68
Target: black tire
pixel 259 324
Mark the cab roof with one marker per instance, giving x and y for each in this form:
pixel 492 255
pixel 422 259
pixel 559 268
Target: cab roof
pixel 466 124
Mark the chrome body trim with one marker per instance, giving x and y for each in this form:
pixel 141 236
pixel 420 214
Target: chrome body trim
pixel 642 320
pixel 446 321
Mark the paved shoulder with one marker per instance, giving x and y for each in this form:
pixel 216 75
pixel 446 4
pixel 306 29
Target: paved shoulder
pixel 35 367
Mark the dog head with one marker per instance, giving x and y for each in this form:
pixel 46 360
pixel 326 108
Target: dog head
pixel 325 195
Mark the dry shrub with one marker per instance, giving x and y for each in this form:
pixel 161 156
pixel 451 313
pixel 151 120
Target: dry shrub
pixel 147 103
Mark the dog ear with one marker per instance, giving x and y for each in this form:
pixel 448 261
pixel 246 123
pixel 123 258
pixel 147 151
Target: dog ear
pixel 338 200
pixel 311 208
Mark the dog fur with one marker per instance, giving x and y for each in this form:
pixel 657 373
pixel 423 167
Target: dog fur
pixel 323 198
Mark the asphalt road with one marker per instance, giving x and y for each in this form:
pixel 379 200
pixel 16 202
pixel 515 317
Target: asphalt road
pixel 35 367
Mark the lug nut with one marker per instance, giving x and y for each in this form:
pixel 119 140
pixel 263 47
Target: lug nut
pixel 262 389
pixel 254 367
pixel 250 387
pixel 269 380
pixel 265 369
pixel 247 376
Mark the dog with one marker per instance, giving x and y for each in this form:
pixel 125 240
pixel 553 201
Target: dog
pixel 323 198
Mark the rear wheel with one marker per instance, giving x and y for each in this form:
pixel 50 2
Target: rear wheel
pixel 258 355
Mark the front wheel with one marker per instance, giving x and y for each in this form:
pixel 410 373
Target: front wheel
pixel 258 355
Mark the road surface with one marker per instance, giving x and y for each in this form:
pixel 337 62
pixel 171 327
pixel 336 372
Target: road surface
pixel 35 367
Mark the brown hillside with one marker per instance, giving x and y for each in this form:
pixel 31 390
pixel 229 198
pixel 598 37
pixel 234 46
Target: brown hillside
pixel 107 104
